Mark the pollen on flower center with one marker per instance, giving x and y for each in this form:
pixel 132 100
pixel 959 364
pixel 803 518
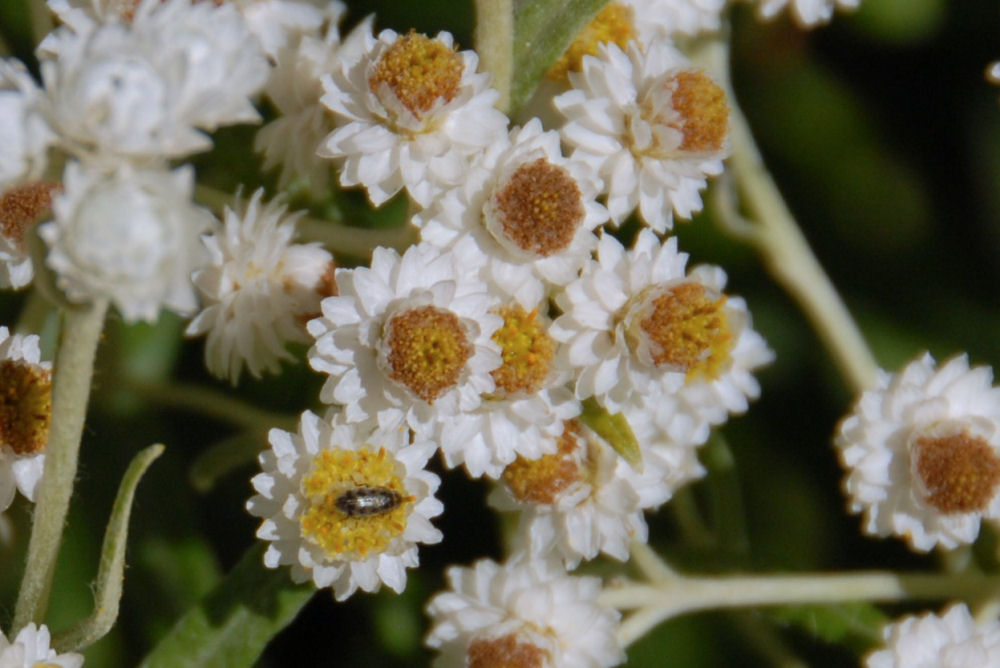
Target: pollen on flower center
pixel 527 352
pixel 357 502
pixel 959 472
pixel 537 211
pixel 613 24
pixel 541 481
pixel 681 328
pixel 427 350
pixel 25 407
pixel 419 71
pixel 505 652
pixel 687 113
pixel 22 206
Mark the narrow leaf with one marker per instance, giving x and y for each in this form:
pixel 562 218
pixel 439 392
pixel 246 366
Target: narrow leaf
pixel 857 625
pixel 614 429
pixel 542 32
pixel 232 625
pixel 110 573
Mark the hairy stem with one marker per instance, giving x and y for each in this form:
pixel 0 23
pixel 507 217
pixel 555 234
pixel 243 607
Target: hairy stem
pixel 494 42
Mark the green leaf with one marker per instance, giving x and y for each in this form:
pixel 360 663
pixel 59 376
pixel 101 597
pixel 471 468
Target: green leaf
pixel 110 573
pixel 614 429
pixel 234 623
pixel 542 32
pixel 857 625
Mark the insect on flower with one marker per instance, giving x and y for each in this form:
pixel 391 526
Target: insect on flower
pixel 367 501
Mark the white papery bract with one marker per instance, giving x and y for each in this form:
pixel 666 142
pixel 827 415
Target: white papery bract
pixel 309 526
pixel 144 89
pixel 407 338
pixel 807 13
pixel 258 289
pixel 280 24
pixel 922 453
pixel 25 426
pixel 30 649
pixel 528 609
pixel 699 361
pixel 951 640
pixel 655 19
pixel 130 236
pixel 530 211
pixel 24 134
pixel 411 113
pixel 651 125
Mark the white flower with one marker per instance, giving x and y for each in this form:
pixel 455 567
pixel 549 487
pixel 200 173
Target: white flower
pixel 279 24
pixel 145 89
pixel 345 505
pixel 638 328
pixel 807 13
pixel 529 611
pixel 21 207
pixel 30 648
pixel 412 112
pixel 652 126
pixel 922 452
pixel 258 289
pixel 25 415
pixel 131 236
pixel 953 640
pixel 409 337
pixel 655 19
pixel 24 134
pixel 531 212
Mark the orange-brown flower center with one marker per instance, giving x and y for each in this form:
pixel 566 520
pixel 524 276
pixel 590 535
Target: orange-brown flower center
pixel 527 351
pixel 427 350
pixel 959 472
pixel 687 113
pixel 541 481
pixel 22 206
pixel 25 407
pixel 418 71
pixel 504 652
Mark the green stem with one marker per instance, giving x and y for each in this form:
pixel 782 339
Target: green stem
pixel 74 368
pixel 494 42
pixel 211 403
pixel 785 249
pixel 659 601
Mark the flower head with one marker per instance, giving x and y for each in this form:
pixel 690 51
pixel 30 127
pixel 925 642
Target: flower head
pixel 31 648
pixel 951 640
pixel 345 505
pixel 807 13
pixel 522 613
pixel 21 207
pixel 24 133
pixel 922 452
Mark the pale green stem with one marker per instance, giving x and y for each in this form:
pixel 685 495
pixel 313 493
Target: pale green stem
pixel 649 563
pixel 779 239
pixel 494 42
pixel 338 238
pixel 210 403
pixel 669 598
pixel 74 368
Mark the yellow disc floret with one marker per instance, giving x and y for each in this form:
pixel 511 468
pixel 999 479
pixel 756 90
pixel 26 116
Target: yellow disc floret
pixel 527 351
pixel 418 71
pixel 959 473
pixel 541 481
pixel 507 651
pixel 612 25
pixel 339 475
pixel 687 113
pixel 427 350
pixel 25 407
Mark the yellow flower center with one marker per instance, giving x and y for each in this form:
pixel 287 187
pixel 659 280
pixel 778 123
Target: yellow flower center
pixel 418 71
pixel 613 24
pixel 25 407
pixel 687 114
pixel 682 327
pixel 527 351
pixel 541 481
pixel 505 652
pixel 22 206
pixel 959 473
pixel 357 503
pixel 537 211
pixel 428 350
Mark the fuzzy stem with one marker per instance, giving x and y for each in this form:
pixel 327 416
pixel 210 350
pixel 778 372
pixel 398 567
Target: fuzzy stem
pixel 74 367
pixel 494 41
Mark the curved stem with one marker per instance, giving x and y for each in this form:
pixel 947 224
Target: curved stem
pixel 214 404
pixel 494 42
pixel 74 368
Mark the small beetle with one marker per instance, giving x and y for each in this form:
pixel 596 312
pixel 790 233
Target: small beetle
pixel 368 501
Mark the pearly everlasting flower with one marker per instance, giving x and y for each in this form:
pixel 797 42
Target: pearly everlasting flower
pixel 530 211
pixel 345 505
pixel 654 19
pixel 258 289
pixel 130 236
pixel 922 453
pixel 280 24
pixel 21 207
pixel 25 415
pixel 524 613
pixel 807 13
pixel 408 338
pixel 411 113
pixel 146 89
pixel 952 640
pixel 292 139
pixel 24 134
pixel 638 328
pixel 30 648
pixel 651 125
